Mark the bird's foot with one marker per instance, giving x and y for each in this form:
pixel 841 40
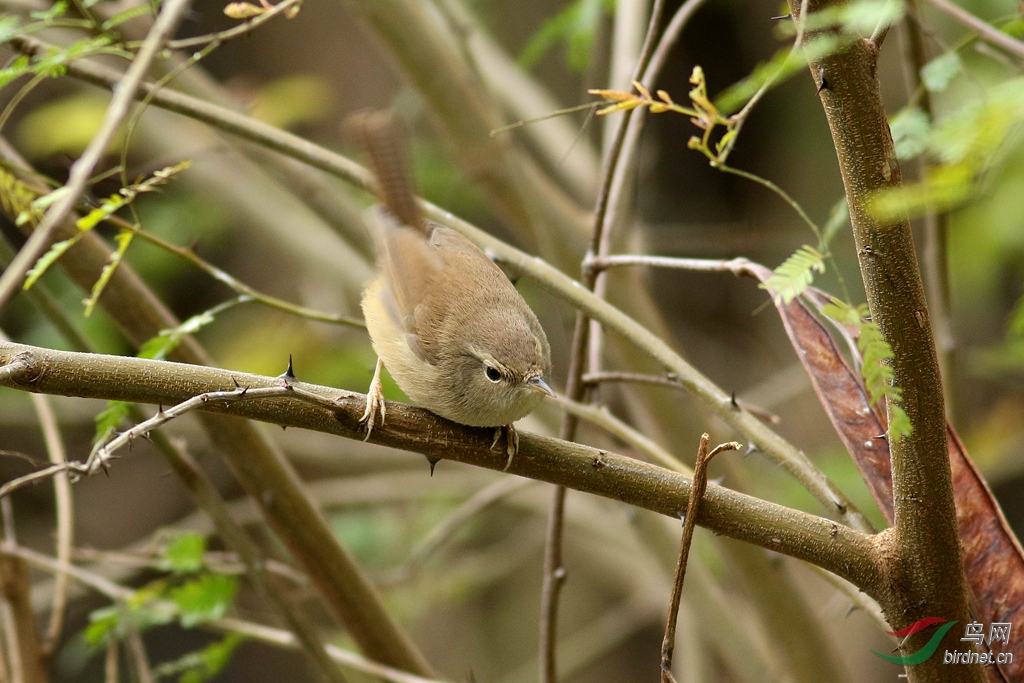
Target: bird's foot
pixel 374 403
pixel 511 442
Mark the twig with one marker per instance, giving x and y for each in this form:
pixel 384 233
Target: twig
pixel 780 192
pixel 221 37
pixel 102 455
pixel 602 417
pixel 110 662
pixel 985 30
pixel 136 651
pixel 353 661
pixel 596 378
pixel 65 518
pixel 858 598
pixel 443 531
pixel 736 266
pixel 668 40
pixel 554 572
pixel 12 278
pixel 235 284
pixel 24 650
pixel 65 515
pixel 882 29
pixel 700 483
pixel 554 578
pixel 936 227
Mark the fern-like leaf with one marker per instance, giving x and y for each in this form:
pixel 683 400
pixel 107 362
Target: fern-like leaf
pixel 124 239
pixel 795 274
pixel 876 364
pixel 48 259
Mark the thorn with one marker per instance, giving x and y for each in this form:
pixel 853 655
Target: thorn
pixel 433 463
pixel 290 372
pixel 824 82
pixel 191 246
pixel 284 427
pixel 237 385
pixel 751 448
pixel 732 400
pixel 783 16
pixel 159 408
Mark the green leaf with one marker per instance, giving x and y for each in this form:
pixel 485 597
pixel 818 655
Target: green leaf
pixel 783 64
pixel 899 423
pixel 1016 328
pixel 109 206
pixel 845 314
pixel 937 74
pixel 18 67
pixel 944 188
pixel 1014 28
pixel 184 554
pixel 201 666
pixel 575 25
pixel 144 610
pixel 159 346
pixel 124 238
pixel 8 29
pixel 207 597
pixel 48 259
pixel 910 129
pixel 102 623
pixel 58 9
pixel 45 201
pixel 125 15
pixel 795 274
pixel 863 16
pixel 837 218
pixel 876 369
pixel 110 419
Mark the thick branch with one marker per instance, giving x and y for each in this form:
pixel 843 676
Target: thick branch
pixel 924 568
pixel 833 546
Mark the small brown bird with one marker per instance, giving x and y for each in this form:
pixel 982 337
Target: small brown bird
pixel 452 330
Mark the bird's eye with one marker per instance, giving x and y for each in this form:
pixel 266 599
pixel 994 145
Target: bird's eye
pixel 492 373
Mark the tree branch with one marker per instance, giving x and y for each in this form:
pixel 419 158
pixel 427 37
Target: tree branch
pixel 924 568
pixel 830 545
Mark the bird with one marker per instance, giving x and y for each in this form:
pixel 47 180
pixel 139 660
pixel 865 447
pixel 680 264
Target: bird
pixel 453 331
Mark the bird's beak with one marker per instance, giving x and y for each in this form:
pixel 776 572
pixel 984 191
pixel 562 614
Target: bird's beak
pixel 540 385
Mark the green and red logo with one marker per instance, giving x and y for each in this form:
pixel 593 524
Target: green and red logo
pixel 929 648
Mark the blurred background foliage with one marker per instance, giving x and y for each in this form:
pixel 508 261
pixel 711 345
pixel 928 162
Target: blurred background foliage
pixel 472 600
